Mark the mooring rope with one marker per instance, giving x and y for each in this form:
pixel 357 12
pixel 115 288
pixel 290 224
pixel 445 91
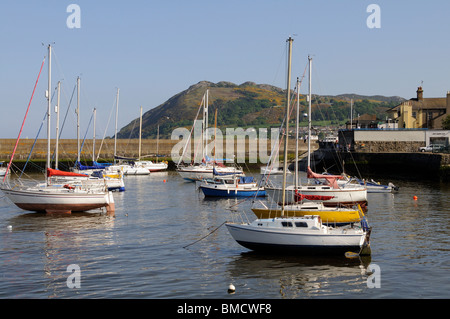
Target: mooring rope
pixel 205 235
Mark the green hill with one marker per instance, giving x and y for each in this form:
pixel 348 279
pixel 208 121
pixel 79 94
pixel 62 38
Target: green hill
pixel 247 105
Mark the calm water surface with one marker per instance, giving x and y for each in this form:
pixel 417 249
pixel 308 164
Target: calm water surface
pixel 141 253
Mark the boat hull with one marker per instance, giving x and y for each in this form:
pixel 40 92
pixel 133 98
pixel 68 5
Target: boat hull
pixel 307 244
pixel 198 173
pixel 216 192
pixel 155 167
pixel 136 171
pixel 41 201
pixel 343 196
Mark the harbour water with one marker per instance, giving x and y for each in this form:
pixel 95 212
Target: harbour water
pixel 141 252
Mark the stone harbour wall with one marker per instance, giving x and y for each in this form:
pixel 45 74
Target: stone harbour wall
pixel 387 146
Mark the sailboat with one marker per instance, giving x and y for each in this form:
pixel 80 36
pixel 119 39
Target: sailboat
pixel 324 185
pixel 131 166
pixel 231 186
pixel 204 170
pixel 2 169
pixel 95 173
pixel 155 166
pixel 300 235
pixel 149 165
pixel 371 185
pixel 43 197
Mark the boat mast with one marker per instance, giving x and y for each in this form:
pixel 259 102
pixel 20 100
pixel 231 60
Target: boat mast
pixel 140 134
pixel 93 138
pixel 296 134
pixel 57 126
pixel 351 114
pixel 309 114
pixel 288 93
pixel 115 134
pixel 78 120
pixel 49 102
pixel 205 125
pixel 157 144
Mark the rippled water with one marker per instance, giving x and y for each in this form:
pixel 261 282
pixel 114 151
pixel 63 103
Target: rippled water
pixel 141 253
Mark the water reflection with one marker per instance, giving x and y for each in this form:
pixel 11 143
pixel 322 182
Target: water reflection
pixel 139 252
pixel 300 277
pixel 51 243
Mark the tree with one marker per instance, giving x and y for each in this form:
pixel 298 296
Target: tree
pixel 446 123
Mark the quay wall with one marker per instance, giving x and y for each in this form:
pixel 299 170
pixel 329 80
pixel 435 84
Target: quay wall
pixel 410 165
pixel 125 147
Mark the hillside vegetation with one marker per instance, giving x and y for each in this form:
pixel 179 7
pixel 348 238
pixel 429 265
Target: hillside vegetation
pixel 249 105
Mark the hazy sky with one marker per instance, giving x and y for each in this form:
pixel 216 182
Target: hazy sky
pixel 152 50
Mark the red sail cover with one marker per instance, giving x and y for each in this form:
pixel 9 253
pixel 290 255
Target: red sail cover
pixel 56 172
pixel 300 197
pixel 331 179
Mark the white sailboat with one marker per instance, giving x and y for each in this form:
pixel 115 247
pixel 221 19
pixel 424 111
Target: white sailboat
pixel 344 194
pixel 204 170
pixel 155 166
pixel 301 235
pixel 42 197
pixel 93 174
pixel 130 166
pixel 149 165
pixel 2 169
pixel 371 185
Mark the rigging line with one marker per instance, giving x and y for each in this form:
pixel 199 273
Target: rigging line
pixel 190 134
pixel 107 125
pixel 129 137
pixel 282 58
pixel 57 62
pixel 205 235
pixel 34 143
pixel 87 129
pixel 67 111
pixel 23 123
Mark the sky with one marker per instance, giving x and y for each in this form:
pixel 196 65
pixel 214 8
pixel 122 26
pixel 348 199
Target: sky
pixel 152 50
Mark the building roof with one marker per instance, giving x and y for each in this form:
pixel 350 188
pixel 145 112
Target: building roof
pixel 419 102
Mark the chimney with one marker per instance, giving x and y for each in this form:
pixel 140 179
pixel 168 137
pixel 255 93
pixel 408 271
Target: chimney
pixel 419 93
pixel 448 102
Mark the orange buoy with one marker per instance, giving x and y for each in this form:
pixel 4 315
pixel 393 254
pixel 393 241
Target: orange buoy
pixel 164 180
pixel 415 197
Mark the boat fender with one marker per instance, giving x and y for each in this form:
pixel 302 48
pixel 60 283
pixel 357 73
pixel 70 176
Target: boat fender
pixel 69 186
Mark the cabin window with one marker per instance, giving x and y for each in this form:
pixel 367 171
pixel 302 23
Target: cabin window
pixel 286 224
pixel 301 224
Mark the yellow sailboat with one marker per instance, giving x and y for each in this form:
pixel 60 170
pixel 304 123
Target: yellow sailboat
pixel 308 203
pixel 329 215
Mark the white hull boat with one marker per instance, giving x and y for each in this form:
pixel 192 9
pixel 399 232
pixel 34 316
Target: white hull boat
pixel 42 197
pixel 301 235
pixel 200 172
pixel 375 187
pixel 154 167
pixel 132 169
pixel 272 170
pixel 59 199
pixel 113 180
pixel 2 169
